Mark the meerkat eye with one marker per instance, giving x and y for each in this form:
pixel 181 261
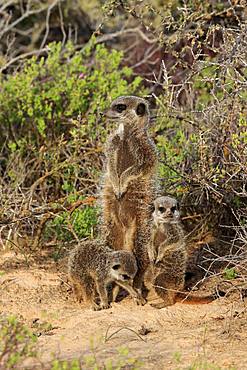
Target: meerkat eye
pixel 116 267
pixel 161 209
pixel 126 277
pixel 173 209
pixel 120 107
pixel 141 109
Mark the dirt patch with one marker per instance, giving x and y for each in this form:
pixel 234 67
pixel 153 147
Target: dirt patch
pixel 175 337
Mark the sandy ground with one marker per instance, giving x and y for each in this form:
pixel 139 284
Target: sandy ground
pixel 211 336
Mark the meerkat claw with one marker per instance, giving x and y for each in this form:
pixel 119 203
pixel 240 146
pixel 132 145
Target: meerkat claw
pixel 105 306
pixel 140 301
pixel 100 307
pixel 119 195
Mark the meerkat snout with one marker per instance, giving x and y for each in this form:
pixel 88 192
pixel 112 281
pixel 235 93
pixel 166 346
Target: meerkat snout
pixel 126 277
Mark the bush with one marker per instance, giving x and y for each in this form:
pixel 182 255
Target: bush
pixel 119 361
pixel 53 133
pixel 16 343
pixel 38 102
pixel 67 226
pixel 203 145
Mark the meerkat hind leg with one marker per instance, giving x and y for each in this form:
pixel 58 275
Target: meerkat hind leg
pixel 89 293
pixel 166 288
pixel 77 291
pixel 168 300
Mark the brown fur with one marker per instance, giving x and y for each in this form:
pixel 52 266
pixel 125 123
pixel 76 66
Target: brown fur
pixel 92 268
pixel 129 186
pixel 167 252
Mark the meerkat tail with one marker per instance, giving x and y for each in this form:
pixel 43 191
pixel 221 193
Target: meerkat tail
pixel 183 297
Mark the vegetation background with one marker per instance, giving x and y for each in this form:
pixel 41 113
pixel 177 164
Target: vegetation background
pixel 63 62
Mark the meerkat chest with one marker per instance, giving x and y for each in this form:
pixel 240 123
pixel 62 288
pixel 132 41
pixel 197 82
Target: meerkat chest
pixel 125 156
pixel 166 234
pixel 159 237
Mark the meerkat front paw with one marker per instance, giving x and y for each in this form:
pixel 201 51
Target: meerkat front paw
pixel 105 306
pixel 116 189
pixel 101 306
pixel 140 301
pixel 119 192
pixel 119 195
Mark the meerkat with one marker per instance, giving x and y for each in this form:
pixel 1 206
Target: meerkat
pixel 130 186
pixel 93 266
pixel 168 255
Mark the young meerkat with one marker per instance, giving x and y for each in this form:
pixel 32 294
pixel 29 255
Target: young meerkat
pixel 129 186
pixel 93 266
pixel 168 255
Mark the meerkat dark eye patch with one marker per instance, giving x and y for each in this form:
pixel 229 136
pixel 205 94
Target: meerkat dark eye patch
pixel 141 109
pixel 173 209
pixel 126 277
pixel 120 107
pixel 116 267
pixel 161 209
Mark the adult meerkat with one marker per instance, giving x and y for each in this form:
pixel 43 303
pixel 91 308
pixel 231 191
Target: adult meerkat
pixel 168 255
pixel 129 183
pixel 93 266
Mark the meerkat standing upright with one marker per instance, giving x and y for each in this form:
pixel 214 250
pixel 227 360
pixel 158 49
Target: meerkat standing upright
pixel 167 250
pixel 168 255
pixel 129 183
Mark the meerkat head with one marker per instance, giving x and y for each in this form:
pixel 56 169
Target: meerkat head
pixel 123 267
pixel 166 209
pixel 129 110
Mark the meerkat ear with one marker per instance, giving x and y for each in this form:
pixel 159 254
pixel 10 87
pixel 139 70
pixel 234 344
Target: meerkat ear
pixel 141 109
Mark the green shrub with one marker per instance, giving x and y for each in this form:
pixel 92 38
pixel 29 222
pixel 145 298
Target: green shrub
pixel 177 151
pixel 16 343
pixel 230 273
pixel 119 361
pixel 52 130
pixel 203 146
pixel 50 113
pixel 39 101
pixel 65 225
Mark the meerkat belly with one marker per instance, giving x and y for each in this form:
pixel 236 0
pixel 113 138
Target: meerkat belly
pixel 127 215
pixel 134 212
pixel 133 204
